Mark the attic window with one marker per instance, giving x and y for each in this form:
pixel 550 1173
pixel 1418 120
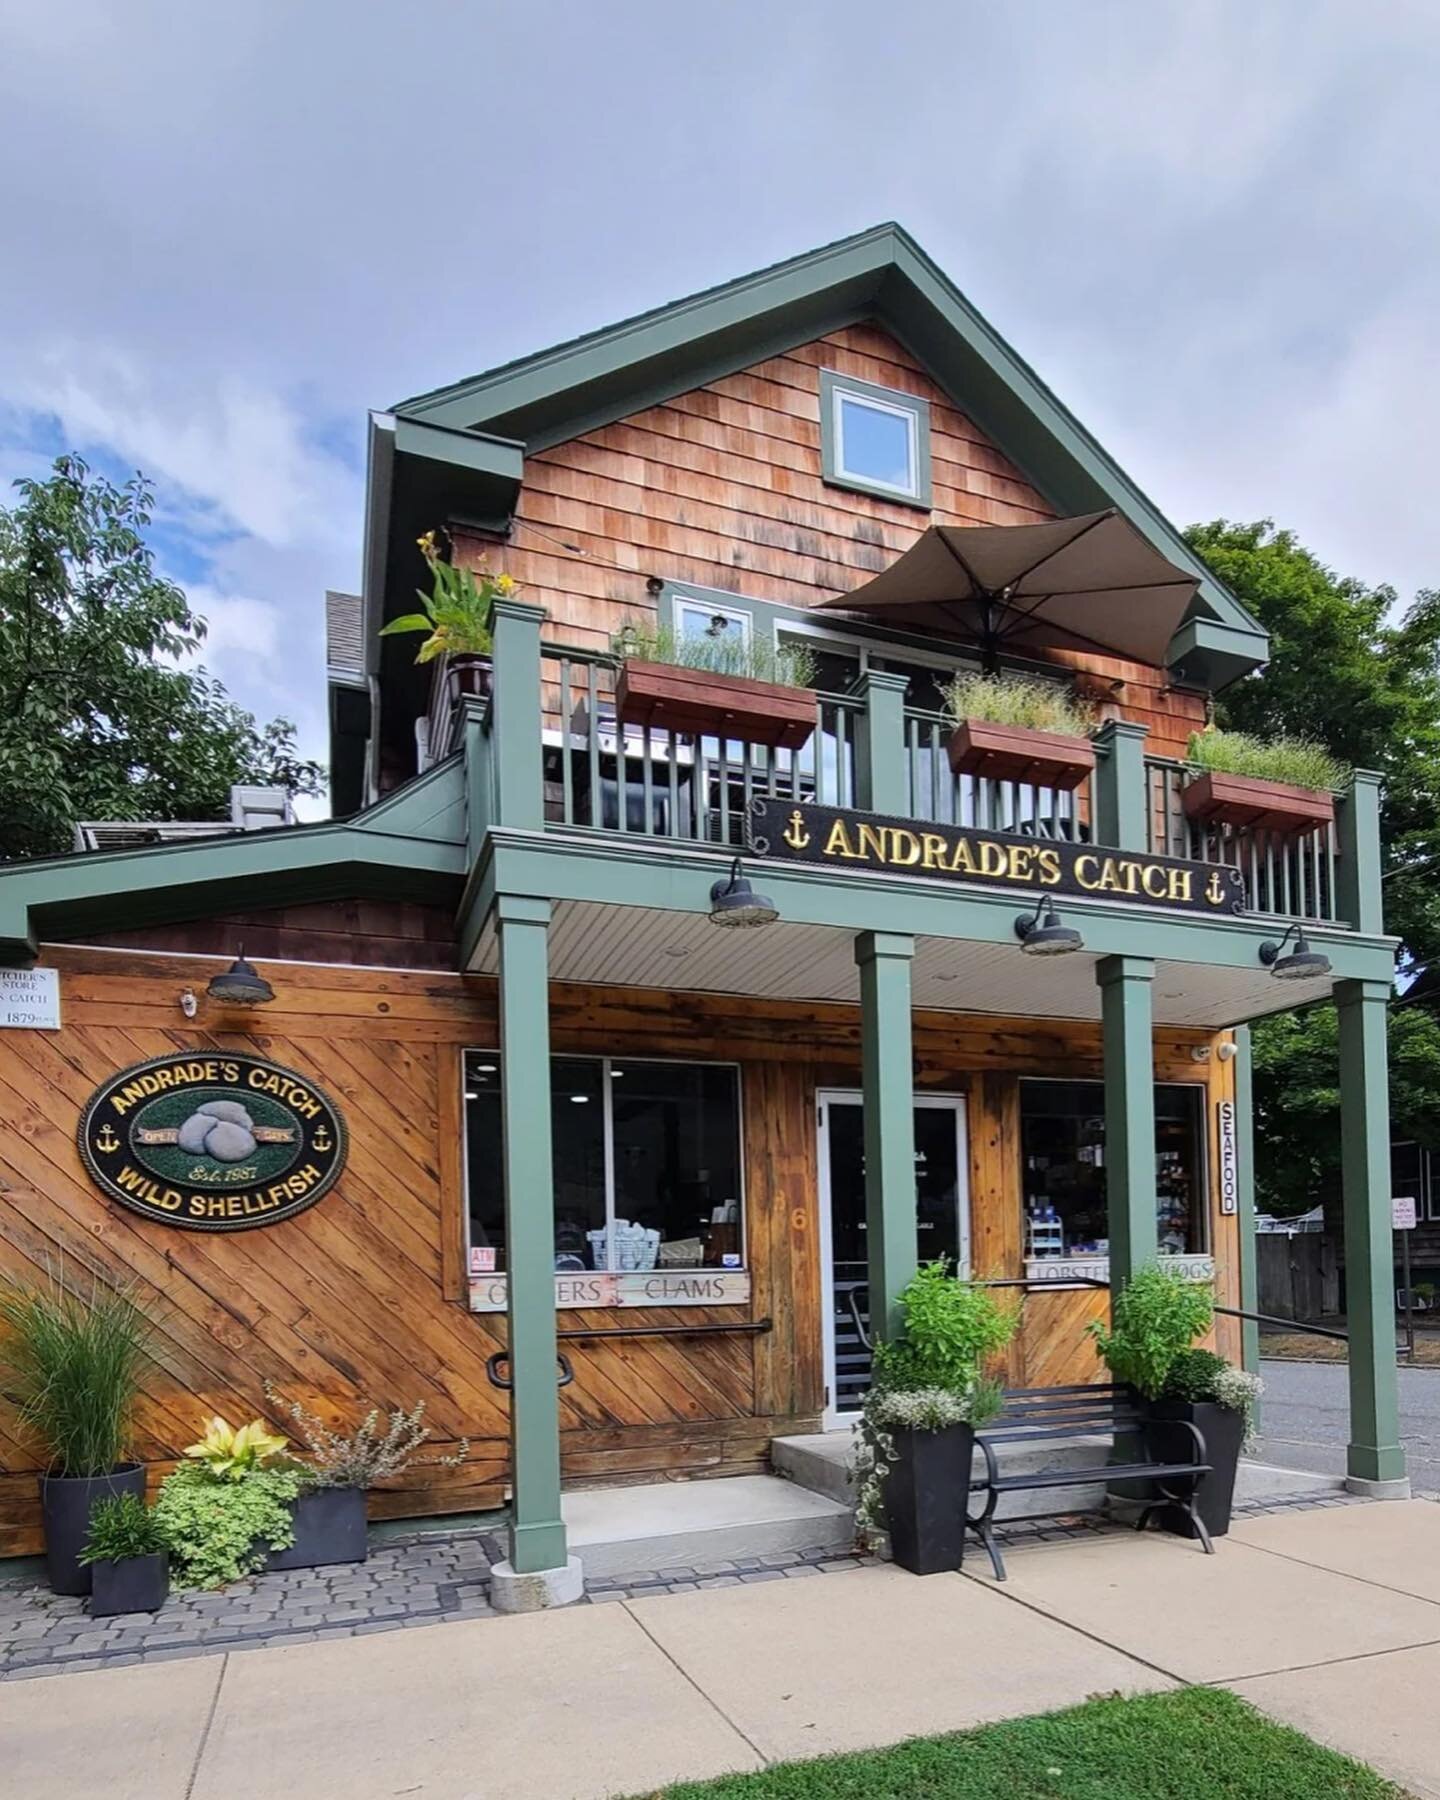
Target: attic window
pixel 874 439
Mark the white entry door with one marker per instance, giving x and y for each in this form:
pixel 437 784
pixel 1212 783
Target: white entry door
pixel 942 1210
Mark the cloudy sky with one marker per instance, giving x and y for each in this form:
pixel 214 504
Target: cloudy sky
pixel 228 232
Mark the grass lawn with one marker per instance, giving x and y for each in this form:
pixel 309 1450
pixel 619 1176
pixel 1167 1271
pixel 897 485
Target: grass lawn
pixel 1195 1744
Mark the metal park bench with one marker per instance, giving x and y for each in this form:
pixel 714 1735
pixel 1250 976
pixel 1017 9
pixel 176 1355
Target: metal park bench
pixel 1058 1414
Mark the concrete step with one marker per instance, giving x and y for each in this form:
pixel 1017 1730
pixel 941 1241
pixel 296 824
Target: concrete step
pixel 677 1524
pixel 821 1460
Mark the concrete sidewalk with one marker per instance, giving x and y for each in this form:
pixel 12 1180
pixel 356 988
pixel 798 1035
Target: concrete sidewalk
pixel 1329 1620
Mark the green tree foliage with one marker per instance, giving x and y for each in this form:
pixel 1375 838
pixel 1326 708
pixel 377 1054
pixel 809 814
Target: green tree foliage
pixel 1355 670
pixel 98 720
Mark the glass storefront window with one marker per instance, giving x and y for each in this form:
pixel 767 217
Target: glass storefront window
pixel 1062 1148
pixel 646 1157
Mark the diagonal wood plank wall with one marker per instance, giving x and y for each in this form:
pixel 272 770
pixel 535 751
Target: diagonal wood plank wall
pixel 361 1297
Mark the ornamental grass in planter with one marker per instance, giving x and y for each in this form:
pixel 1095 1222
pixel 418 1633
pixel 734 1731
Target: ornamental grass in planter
pixel 128 1558
pixel 343 1466
pixel 1278 784
pixel 916 1433
pixel 743 688
pixel 70 1363
pixel 1019 728
pixel 1149 1343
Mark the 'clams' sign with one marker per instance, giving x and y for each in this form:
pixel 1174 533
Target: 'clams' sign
pixel 212 1141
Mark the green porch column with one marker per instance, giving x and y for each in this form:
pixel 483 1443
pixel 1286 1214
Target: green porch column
pixel 880 778
pixel 1129 1068
pixel 1120 792
pixel 1245 1199
pixel 888 1093
pixel 1357 868
pixel 515 716
pixel 1374 1456
pixel 537 1535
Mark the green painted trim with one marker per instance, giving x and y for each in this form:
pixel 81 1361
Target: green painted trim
pixel 1245 1198
pixel 1374 1453
pixel 1210 654
pixel 881 782
pixel 1359 865
pixel 516 719
pixel 537 1532
pixel 1128 1054
pixel 887 1084
pixel 479 452
pixel 881 273
pixel 833 384
pixel 603 867
pixel 1121 812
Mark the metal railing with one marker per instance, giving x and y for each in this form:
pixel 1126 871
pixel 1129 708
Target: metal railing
pixel 1286 875
pixel 938 793
pixel 649 781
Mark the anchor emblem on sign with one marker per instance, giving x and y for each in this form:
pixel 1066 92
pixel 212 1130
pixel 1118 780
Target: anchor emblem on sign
pixel 105 1139
pixel 795 834
pixel 321 1140
pixel 1213 892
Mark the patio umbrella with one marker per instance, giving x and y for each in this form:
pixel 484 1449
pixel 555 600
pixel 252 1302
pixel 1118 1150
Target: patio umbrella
pixel 1090 583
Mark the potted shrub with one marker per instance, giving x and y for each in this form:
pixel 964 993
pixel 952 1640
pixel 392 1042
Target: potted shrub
pixel 916 1432
pixel 457 620
pixel 127 1557
pixel 1155 1320
pixel 748 689
pixel 71 1367
pixel 1017 728
pixel 330 1507
pixel 228 1505
pixel 1283 785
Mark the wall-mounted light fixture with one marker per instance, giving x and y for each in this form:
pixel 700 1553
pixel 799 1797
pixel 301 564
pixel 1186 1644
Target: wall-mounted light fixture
pixel 734 902
pixel 1226 1052
pixel 1041 933
pixel 1301 964
pixel 241 985
pixel 189 1005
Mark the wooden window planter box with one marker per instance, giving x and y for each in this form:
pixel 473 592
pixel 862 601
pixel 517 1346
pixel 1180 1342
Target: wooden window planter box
pixel 724 706
pixel 1218 798
pixel 1049 759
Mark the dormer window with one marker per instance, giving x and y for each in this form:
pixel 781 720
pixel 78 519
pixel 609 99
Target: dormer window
pixel 874 439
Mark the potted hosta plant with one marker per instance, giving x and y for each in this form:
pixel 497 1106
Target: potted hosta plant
pixel 1284 784
pixel 930 1392
pixel 1155 1320
pixel 70 1363
pixel 457 620
pixel 745 688
pixel 1018 728
pixel 127 1556
pixel 343 1466
pixel 229 1504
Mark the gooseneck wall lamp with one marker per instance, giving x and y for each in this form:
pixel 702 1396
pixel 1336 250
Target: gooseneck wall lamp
pixel 1301 964
pixel 734 902
pixel 1041 933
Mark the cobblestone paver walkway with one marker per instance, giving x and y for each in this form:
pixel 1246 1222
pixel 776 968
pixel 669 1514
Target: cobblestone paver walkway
pixel 406 1583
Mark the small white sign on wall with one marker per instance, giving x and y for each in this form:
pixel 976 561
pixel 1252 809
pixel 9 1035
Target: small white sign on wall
pixel 1229 1156
pixel 1402 1212
pixel 30 999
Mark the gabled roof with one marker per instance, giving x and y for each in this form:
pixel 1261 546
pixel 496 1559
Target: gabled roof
pixel 880 274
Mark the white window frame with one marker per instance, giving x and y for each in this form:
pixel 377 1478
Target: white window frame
pixel 914 409
pixel 687 606
pixel 839 395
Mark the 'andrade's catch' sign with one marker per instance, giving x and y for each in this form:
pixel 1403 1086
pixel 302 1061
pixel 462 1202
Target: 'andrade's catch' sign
pixel 212 1141
pixel 841 838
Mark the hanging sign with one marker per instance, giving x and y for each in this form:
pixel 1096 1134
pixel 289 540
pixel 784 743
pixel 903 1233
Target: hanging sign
pixel 212 1141
pixel 640 1287
pixel 791 831
pixel 30 999
pixel 1229 1155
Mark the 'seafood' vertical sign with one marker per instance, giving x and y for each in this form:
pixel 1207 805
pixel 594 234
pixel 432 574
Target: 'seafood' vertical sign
pixel 1229 1156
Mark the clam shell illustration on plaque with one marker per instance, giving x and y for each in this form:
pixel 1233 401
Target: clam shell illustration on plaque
pixel 212 1141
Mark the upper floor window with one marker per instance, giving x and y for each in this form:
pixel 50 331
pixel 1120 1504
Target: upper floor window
pixel 875 439
pixel 700 619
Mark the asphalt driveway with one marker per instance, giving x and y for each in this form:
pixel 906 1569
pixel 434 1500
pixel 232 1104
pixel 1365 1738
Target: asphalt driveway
pixel 1306 1419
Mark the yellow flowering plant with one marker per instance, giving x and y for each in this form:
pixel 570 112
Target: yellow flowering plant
pixel 459 609
pixel 230 1454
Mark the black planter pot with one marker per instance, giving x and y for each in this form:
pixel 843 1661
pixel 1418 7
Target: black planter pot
pixel 329 1528
pixel 131 1585
pixel 1224 1432
pixel 66 1502
pixel 927 1489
